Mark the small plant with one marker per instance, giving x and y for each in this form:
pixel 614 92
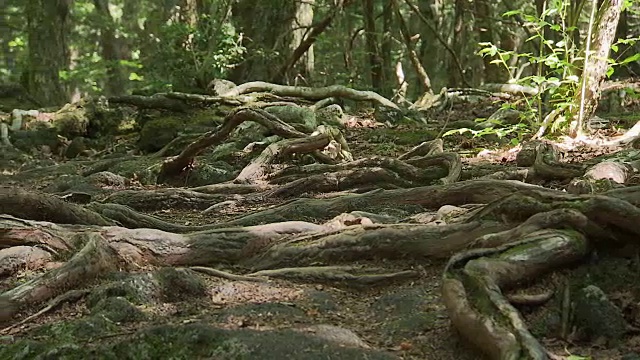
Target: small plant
pixel 557 87
pixel 500 130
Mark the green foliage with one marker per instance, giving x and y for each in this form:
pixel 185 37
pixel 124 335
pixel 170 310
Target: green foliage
pixel 189 57
pixel 500 130
pixel 559 53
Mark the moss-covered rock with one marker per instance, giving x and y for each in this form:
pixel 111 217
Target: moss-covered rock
pixel 139 289
pixel 117 309
pixel 157 133
pixel 77 147
pixel 180 284
pixel 27 140
pixel 331 115
pixel 295 115
pixel 206 174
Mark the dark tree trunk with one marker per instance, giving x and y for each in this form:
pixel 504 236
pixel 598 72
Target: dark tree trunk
pixel 266 26
pixel 47 27
pixel 484 14
pixel 385 49
pixel 375 62
pixel 111 51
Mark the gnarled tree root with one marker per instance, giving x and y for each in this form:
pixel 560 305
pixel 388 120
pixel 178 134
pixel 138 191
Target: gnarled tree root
pixel 342 274
pixel 473 283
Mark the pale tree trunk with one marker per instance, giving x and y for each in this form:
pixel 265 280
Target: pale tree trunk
pixel 47 28
pixel 596 65
pixel 301 27
pixel 425 81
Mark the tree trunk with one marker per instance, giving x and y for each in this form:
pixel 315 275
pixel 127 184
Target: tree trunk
pixel 375 62
pixel 47 27
pixel 596 65
pixel 385 50
pixel 301 27
pixel 111 51
pixel 484 25
pixel 266 26
pixel 455 77
pixel 425 81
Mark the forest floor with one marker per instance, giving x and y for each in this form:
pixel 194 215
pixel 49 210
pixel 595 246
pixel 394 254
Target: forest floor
pixel 401 319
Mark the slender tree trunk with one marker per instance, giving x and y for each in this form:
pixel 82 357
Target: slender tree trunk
pixel 47 28
pixel 595 68
pixel 375 62
pixel 385 50
pixel 111 51
pixel 484 14
pixel 301 28
pixel 425 81
pixel 457 44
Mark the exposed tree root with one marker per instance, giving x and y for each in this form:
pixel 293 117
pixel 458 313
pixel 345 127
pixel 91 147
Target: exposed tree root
pixel 227 275
pixel 38 206
pixel 547 165
pixel 258 168
pixel 337 91
pixel 429 197
pixel 472 290
pixel 174 198
pixel 94 260
pixel 342 274
pixel 367 242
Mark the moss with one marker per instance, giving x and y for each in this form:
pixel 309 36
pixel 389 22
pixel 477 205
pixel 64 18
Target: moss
pixel 118 309
pixel 157 133
pixel 137 289
pixel 295 115
pixel 399 136
pixel 70 331
pixel 26 140
pixel 180 284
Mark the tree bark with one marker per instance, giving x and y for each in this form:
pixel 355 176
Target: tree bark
pixel 111 51
pixel 596 66
pixel 47 27
pixel 375 62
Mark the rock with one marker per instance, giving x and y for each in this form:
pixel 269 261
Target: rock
pixel 220 86
pixel 157 133
pixel 77 146
pixel 596 316
pixel 118 309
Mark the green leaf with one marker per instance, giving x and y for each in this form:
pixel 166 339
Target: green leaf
pixel 632 58
pixel 457 131
pixel 512 12
pixel 135 77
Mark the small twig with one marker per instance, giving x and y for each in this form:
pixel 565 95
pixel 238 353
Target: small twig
pixel 446 122
pixel 226 275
